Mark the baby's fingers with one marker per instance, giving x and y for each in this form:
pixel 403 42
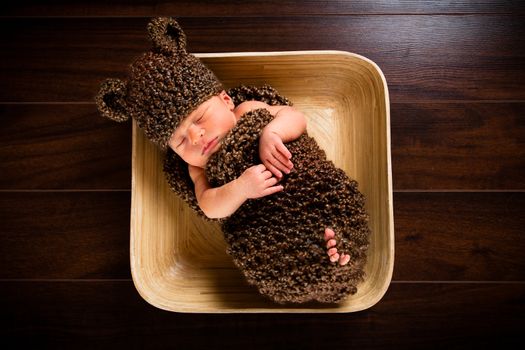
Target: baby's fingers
pixel 284 151
pixel 274 170
pixel 283 157
pixel 271 181
pixel 272 190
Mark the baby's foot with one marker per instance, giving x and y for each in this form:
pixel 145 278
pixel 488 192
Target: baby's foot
pixel 329 235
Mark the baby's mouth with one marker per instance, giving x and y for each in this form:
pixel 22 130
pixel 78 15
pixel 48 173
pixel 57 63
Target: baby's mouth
pixel 209 145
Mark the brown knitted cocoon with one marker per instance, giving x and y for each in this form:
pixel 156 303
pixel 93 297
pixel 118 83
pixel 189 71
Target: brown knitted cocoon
pixel 277 241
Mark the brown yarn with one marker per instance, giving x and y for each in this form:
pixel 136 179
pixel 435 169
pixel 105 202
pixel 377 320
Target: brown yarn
pixel 165 85
pixel 265 93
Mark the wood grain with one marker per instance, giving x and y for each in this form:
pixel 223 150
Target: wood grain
pixel 230 8
pixel 439 236
pixel 460 236
pixel 468 146
pixel 108 314
pixel 64 235
pixel 63 146
pixel 424 58
pixel 435 146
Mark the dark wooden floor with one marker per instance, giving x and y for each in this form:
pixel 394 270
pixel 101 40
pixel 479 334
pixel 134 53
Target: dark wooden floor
pixel 456 78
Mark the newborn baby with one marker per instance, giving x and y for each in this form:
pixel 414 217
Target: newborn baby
pixel 277 218
pixel 295 225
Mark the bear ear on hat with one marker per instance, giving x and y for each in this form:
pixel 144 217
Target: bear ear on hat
pixel 111 100
pixel 167 35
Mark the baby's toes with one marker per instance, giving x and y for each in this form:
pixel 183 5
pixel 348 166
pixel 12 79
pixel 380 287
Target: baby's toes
pixel 334 257
pixel 345 258
pixel 332 251
pixel 328 234
pixel 330 243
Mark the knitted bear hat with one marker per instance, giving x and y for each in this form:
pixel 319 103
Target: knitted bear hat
pixel 165 85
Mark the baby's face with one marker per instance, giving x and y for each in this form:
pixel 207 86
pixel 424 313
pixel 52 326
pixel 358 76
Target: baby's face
pixel 199 135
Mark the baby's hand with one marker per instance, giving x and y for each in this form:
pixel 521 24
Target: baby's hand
pixel 274 154
pixel 257 182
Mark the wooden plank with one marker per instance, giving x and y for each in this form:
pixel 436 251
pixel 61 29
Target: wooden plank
pixel 450 146
pixel 63 146
pixel 459 236
pixel 469 146
pixel 53 235
pixel 439 236
pixel 424 58
pixel 112 314
pixel 229 8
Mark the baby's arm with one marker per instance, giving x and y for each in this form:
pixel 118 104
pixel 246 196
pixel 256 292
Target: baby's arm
pixel 288 124
pixel 223 201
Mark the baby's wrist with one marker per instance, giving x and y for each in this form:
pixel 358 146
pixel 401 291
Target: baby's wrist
pixel 268 129
pixel 239 188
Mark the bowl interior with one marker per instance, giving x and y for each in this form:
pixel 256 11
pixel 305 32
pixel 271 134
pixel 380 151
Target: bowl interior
pixel 179 262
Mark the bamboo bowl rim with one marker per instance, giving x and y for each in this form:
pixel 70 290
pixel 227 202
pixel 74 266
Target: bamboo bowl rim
pixel 167 272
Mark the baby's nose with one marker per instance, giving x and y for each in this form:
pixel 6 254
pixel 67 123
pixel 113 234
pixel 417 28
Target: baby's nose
pixel 196 134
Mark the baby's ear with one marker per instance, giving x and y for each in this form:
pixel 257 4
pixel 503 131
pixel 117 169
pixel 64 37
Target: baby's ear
pixel 111 100
pixel 167 36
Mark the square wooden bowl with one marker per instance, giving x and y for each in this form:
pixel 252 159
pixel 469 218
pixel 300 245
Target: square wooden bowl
pixel 178 261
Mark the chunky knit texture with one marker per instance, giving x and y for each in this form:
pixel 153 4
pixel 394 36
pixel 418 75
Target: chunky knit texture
pixel 165 85
pixel 277 241
pixel 176 169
